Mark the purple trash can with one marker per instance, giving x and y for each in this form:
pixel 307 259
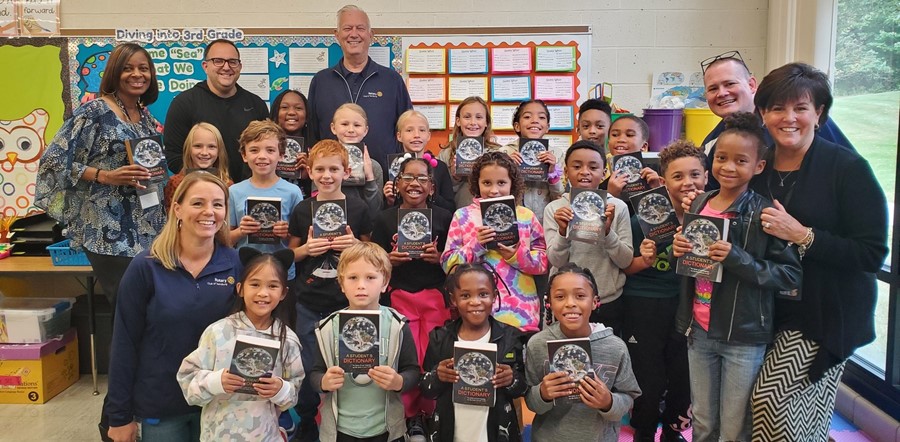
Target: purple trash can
pixel 665 126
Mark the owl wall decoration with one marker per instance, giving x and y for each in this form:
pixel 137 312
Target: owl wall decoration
pixel 22 142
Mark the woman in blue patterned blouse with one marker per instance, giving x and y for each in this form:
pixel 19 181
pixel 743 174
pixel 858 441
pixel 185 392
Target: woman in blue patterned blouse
pixel 85 180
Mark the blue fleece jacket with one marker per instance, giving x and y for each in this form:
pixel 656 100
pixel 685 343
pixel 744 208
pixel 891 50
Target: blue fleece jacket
pixel 160 315
pixel 382 94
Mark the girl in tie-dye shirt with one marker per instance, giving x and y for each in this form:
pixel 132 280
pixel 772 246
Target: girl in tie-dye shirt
pixel 495 175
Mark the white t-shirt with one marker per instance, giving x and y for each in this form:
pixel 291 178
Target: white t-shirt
pixel 470 424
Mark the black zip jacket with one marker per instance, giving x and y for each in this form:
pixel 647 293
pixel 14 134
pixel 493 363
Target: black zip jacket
pixel 758 266
pixel 503 425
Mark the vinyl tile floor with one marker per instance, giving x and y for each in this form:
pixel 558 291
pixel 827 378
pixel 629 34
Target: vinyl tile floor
pixel 71 416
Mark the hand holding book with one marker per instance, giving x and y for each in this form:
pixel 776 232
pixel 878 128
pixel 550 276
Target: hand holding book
pixel 231 382
pixel 556 385
pixel 594 393
pixel 268 386
pixel 386 377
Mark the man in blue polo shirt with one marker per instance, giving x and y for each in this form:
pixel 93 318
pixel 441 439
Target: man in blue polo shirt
pixel 357 79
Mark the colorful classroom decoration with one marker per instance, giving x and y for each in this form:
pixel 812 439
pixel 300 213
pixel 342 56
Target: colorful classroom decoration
pixel 507 69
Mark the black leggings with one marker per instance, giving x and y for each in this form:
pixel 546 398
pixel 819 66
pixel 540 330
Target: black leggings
pixel 109 271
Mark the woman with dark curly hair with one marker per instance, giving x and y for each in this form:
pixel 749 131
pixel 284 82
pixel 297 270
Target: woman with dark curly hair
pixel 494 175
pixel 830 206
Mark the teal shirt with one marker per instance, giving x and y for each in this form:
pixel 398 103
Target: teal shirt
pixel 659 281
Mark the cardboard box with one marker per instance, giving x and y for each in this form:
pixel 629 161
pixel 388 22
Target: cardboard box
pixel 34 373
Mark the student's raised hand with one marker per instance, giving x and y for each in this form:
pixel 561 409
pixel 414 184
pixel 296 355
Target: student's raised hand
pixel 507 252
pixel 280 229
pixel 651 177
pixel 367 164
pixel 594 393
pixel 563 217
pixel 485 235
pixel 617 182
pixel 446 373
pixel 316 246
pixel 547 157
pixel 125 433
pixel 648 251
pixel 386 378
pixel 556 385
pixel 268 387
pixel 248 225
pixel 333 379
pixel 388 191
pixel 680 245
pixel 431 254
pixel 516 157
pixel 610 216
pixel 503 377
pixel 231 382
pixel 342 242
pixel 719 250
pixel 688 199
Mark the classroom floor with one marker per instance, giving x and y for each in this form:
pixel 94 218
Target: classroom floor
pixel 72 416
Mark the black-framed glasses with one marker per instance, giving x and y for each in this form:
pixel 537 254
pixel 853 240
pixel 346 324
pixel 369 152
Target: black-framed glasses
pixel 734 55
pixel 219 62
pixel 408 178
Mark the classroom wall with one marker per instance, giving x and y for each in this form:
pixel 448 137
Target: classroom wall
pixel 631 38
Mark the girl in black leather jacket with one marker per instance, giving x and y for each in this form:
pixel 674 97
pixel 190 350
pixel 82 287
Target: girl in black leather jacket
pixel 730 323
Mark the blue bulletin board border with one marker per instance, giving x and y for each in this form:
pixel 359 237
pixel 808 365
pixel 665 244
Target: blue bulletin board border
pixel 88 55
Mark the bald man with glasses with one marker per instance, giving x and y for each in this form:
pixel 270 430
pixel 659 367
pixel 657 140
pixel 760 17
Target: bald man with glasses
pixel 219 101
pixel 730 88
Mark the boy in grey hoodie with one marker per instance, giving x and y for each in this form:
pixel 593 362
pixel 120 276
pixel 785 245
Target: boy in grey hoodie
pixel 606 397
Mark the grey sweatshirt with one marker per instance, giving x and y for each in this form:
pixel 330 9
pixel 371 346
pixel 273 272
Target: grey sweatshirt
pixel 605 260
pixel 578 422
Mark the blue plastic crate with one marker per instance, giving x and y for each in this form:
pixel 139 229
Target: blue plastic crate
pixel 63 255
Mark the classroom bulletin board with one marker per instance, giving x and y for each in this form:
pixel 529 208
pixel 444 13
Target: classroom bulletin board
pixel 44 79
pixel 270 64
pixel 503 70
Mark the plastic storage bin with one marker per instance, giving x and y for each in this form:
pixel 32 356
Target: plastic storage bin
pixel 34 320
pixel 63 255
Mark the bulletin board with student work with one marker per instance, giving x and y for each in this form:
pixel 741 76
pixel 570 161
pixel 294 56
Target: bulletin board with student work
pixel 269 64
pixel 504 71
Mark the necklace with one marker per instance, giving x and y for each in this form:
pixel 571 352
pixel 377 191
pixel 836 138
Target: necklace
pixel 125 110
pixel 783 177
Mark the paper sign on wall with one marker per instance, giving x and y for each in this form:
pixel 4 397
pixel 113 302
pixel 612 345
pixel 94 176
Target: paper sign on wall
pixel 561 117
pixel 427 89
pixel 511 88
pixel 426 61
pixel 464 87
pixel 509 60
pixel 502 116
pixel 554 87
pixel 436 115
pixel 307 60
pixel 8 22
pixel 300 83
pixel 38 17
pixel 469 61
pixel 555 59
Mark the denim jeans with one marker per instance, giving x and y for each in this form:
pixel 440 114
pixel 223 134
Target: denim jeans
pixel 308 400
pixel 722 378
pixel 185 428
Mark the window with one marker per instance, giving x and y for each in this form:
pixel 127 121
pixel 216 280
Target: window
pixel 866 108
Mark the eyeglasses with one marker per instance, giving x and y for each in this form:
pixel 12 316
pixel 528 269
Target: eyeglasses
pixel 734 55
pixel 219 62
pixel 422 179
